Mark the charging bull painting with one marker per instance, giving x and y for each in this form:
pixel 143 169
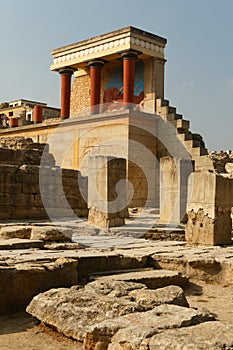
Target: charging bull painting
pixel 113 91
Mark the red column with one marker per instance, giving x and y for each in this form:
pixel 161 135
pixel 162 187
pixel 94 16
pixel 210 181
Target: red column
pixel 38 114
pixel 128 75
pixel 95 84
pixel 66 75
pixel 13 122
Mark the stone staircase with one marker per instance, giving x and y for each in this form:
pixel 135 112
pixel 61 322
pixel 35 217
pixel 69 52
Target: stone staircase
pixel 168 113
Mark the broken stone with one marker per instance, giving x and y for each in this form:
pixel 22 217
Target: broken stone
pixel 72 311
pixel 167 295
pixel 52 234
pixel 22 232
pixel 152 279
pixel 113 288
pixel 133 330
pixel 63 246
pixel 204 336
pixel 76 310
pixel 30 278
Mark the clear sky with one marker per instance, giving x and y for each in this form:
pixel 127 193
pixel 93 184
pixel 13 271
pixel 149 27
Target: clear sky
pixel 199 68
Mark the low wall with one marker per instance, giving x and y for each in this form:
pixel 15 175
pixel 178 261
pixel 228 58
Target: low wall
pixel 29 190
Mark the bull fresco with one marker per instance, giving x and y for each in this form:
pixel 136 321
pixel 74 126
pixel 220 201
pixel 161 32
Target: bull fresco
pixel 113 90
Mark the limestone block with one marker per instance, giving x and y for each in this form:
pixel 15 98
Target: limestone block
pixel 229 168
pixel 106 201
pixel 6 212
pixel 6 199
pixel 9 232
pixel 152 279
pixel 26 212
pixel 23 200
pixel 174 189
pixel 135 329
pixel 209 220
pixel 29 279
pixel 87 310
pixel 32 188
pixel 167 295
pixel 207 335
pixel 52 234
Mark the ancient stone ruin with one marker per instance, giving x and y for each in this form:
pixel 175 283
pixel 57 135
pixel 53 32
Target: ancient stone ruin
pixel 113 213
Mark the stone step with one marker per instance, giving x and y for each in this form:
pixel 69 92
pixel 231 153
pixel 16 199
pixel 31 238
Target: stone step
pixel 191 144
pixel 16 243
pixel 152 279
pixel 172 234
pixel 160 102
pixel 174 116
pixel 198 151
pixel 185 136
pixel 181 124
pixel 110 273
pixel 165 110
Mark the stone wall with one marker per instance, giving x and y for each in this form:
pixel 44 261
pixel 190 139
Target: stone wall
pixel 29 190
pixel 50 112
pixel 80 94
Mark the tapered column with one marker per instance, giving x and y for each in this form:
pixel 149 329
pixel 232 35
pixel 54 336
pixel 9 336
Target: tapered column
pixel 38 114
pixel 95 84
pixel 14 122
pixel 66 75
pixel 128 75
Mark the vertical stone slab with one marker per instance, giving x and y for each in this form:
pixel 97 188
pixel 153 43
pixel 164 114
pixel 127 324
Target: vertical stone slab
pixel 107 195
pixel 174 173
pixel 209 209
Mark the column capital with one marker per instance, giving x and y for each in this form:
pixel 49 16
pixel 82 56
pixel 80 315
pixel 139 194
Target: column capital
pixel 130 55
pixel 67 71
pixel 96 63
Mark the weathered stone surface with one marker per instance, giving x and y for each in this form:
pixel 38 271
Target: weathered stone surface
pixel 114 288
pixel 62 246
pixel 79 312
pixel 8 232
pixel 50 233
pixel 205 336
pixel 107 201
pixel 72 311
pixel 16 243
pixel 133 330
pixel 152 279
pixel 167 295
pixel 209 209
pixel 30 278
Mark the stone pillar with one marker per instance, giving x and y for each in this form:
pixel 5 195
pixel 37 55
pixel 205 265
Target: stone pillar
pixel 174 174
pixel 128 75
pixel 38 114
pixel 14 122
pixel 95 84
pixel 107 197
pixel 210 200
pixel 66 75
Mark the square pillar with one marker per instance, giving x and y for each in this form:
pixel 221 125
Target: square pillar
pixel 174 174
pixel 107 195
pixel 210 200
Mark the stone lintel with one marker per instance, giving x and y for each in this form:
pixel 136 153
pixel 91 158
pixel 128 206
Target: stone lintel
pixel 109 47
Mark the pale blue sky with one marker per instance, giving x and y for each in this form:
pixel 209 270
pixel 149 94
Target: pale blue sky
pixel 199 70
